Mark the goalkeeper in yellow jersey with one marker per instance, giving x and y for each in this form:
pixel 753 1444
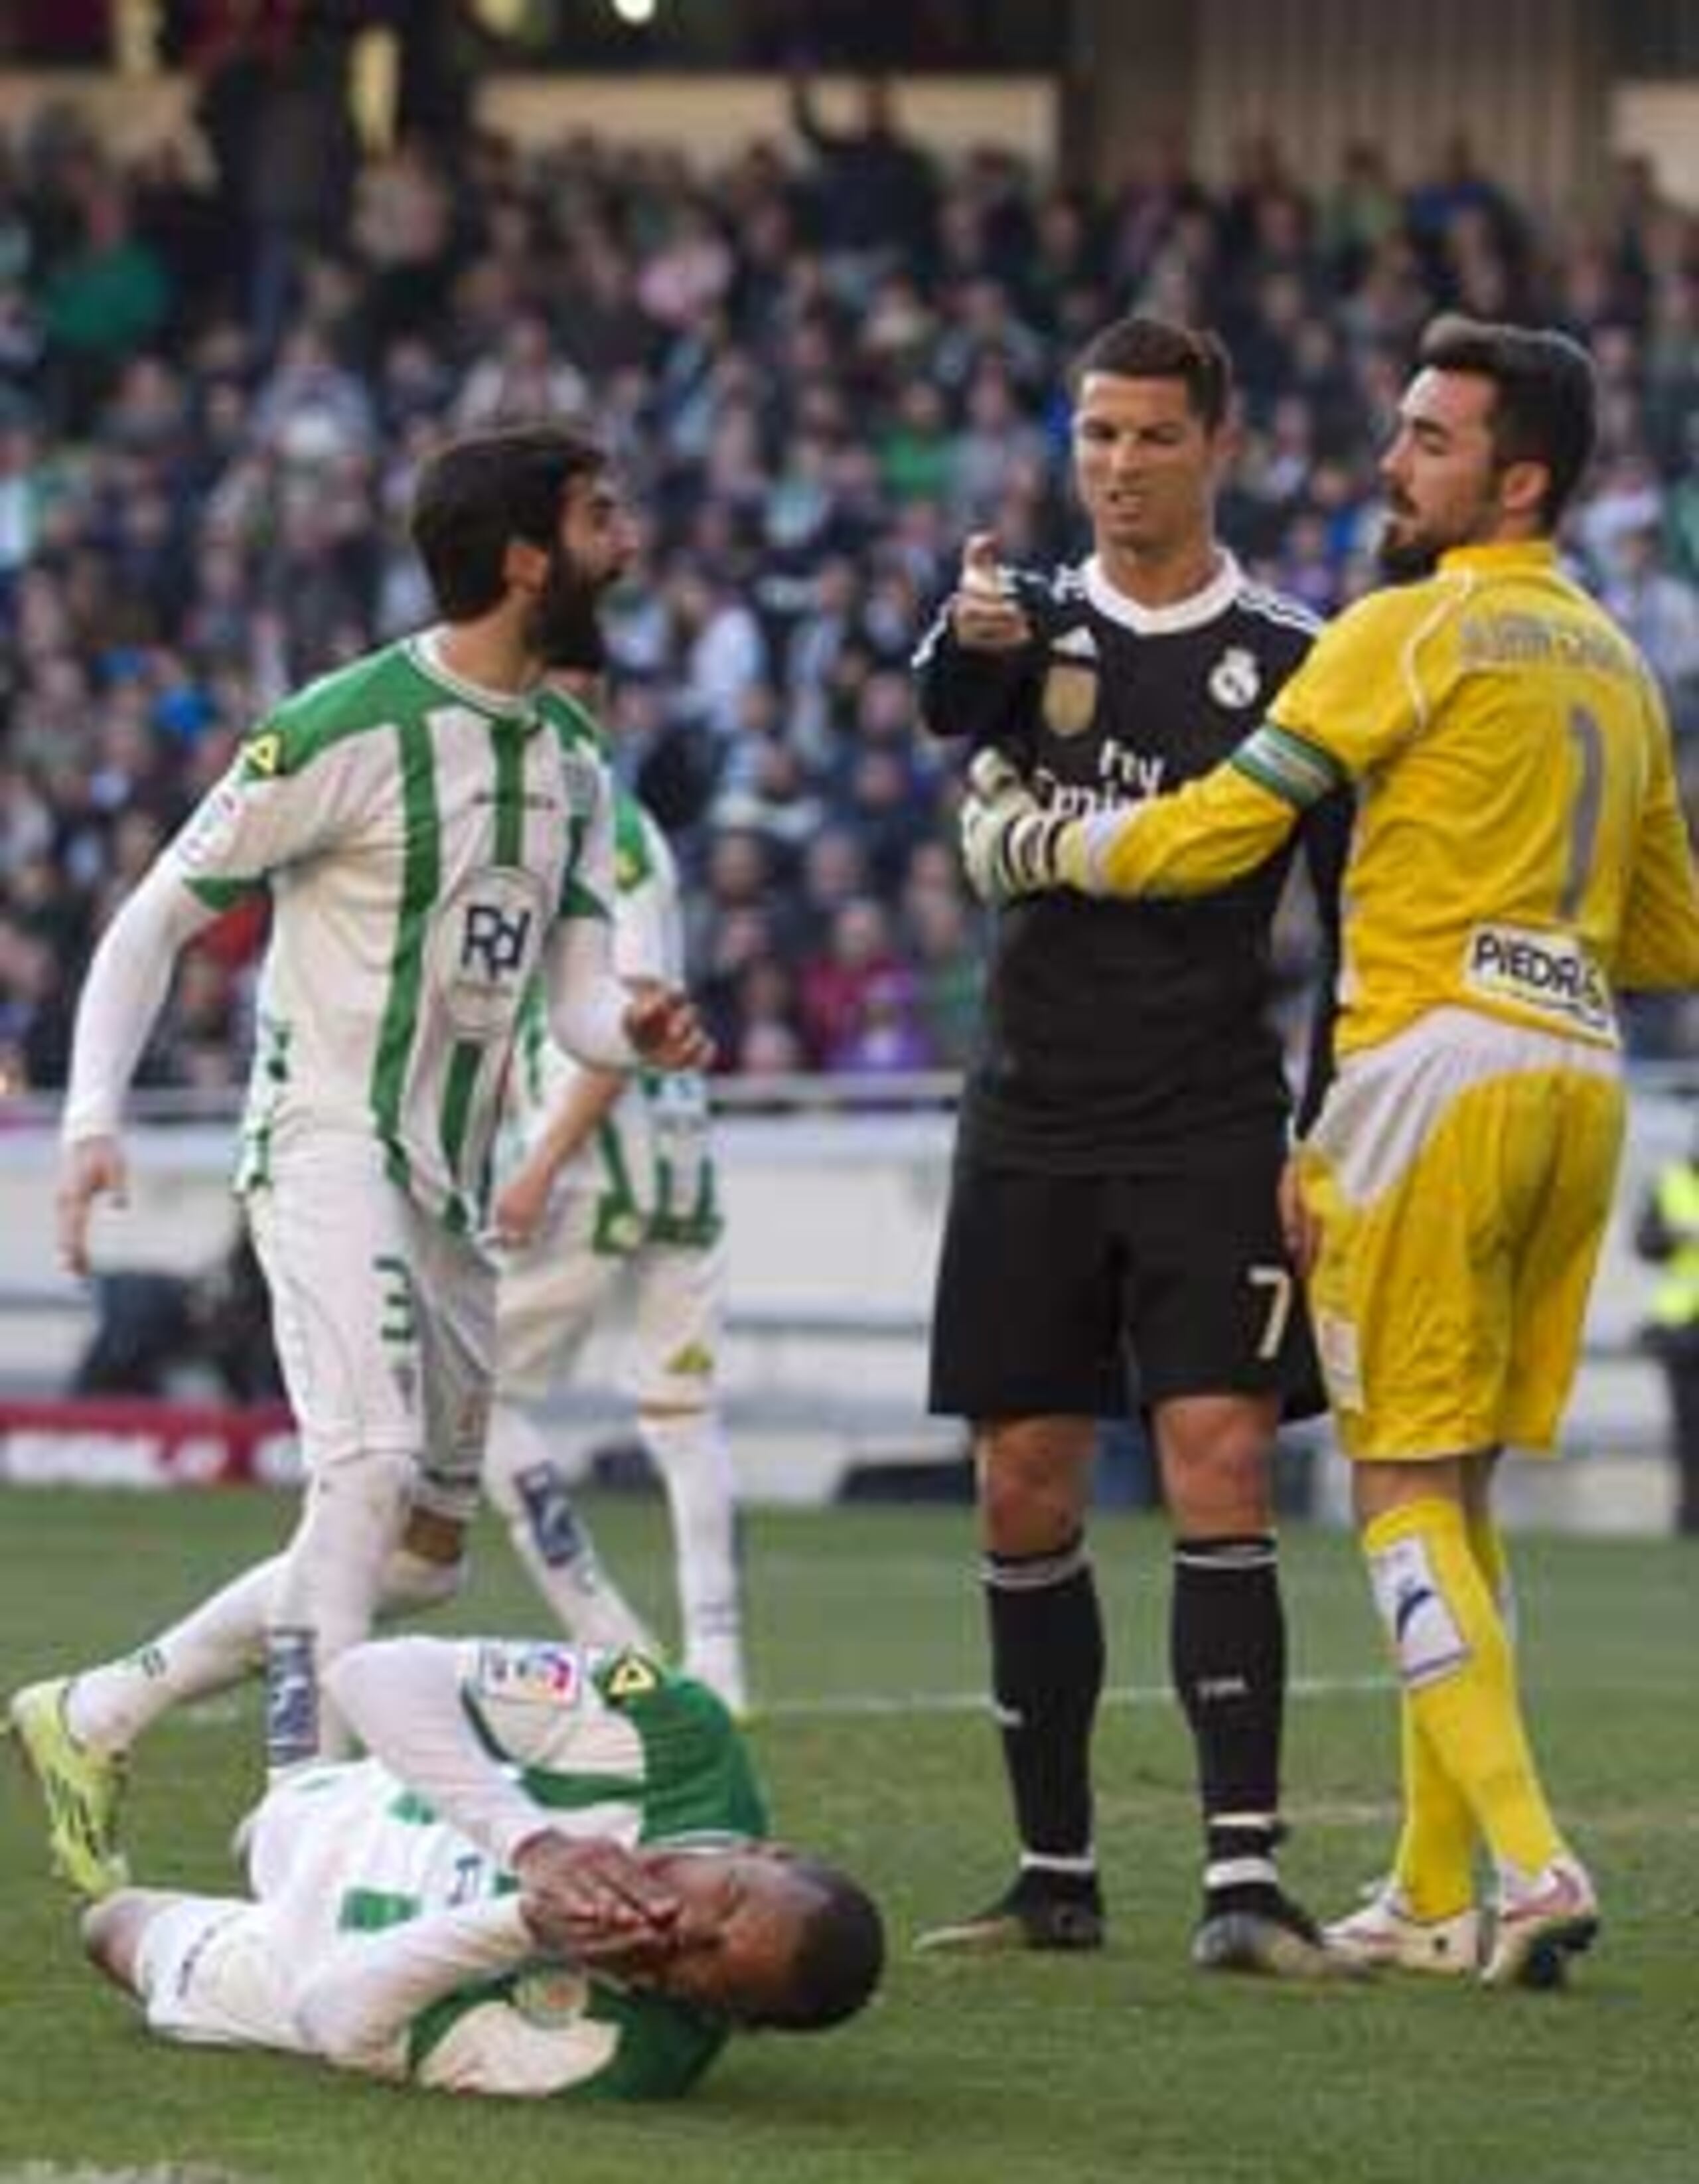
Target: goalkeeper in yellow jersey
pixel 1518 855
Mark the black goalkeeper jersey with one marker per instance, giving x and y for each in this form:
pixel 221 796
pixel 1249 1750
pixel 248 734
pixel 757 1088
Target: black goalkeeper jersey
pixel 1112 1029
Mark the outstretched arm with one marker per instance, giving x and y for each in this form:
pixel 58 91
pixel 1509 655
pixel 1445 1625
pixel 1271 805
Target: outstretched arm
pixel 1207 834
pixel 1342 715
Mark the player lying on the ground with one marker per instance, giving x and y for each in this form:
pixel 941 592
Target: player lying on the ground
pixel 550 1876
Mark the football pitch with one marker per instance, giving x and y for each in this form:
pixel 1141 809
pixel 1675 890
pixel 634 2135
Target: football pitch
pixel 878 1751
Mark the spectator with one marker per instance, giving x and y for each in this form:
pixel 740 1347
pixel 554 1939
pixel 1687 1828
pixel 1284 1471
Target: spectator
pixel 296 165
pixel 763 1037
pixel 950 969
pixel 1660 611
pixel 814 392
pixel 856 992
pixel 524 377
pixel 875 199
pixel 110 296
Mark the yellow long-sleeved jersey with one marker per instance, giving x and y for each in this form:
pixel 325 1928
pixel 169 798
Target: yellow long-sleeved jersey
pixel 1518 847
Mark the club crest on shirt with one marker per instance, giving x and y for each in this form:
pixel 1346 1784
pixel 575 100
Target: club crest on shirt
pixel 550 1995
pixel 486 938
pixel 1235 680
pixel 536 1675
pixel 1068 701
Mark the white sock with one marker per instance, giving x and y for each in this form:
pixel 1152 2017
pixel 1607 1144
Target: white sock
pixel 529 1488
pixel 689 1450
pixel 214 1645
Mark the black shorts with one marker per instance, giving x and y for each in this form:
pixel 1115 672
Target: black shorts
pixel 1082 1296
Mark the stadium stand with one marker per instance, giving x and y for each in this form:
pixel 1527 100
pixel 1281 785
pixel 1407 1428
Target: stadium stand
pixel 214 390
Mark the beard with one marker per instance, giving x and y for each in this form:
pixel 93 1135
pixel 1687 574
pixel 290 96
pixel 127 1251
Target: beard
pixel 1402 556
pixel 565 629
pixel 1409 546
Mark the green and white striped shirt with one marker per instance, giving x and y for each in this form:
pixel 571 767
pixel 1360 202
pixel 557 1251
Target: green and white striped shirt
pixel 430 848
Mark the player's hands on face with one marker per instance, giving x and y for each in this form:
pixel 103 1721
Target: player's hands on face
pixel 596 1904
pixel 982 615
pixel 662 1024
pixel 1299 1226
pixel 91 1168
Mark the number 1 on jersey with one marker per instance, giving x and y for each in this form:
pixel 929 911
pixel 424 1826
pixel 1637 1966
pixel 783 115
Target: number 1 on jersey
pixel 1584 816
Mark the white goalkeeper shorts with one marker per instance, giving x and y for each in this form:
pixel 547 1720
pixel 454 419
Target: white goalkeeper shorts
pixel 384 1321
pixel 667 1302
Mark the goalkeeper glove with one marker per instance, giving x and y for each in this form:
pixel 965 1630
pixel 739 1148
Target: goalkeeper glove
pixel 1010 845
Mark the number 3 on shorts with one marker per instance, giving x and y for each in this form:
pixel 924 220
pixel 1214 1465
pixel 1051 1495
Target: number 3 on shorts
pixel 1277 1283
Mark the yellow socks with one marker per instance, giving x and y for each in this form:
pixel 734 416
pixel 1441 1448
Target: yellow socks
pixel 1486 1545
pixel 1466 1752
pixel 1434 1864
pixel 1434 1867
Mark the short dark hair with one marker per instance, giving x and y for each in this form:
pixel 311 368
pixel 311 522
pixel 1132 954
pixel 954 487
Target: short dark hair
pixel 839 1955
pixel 1144 347
pixel 1546 409
pixel 478 494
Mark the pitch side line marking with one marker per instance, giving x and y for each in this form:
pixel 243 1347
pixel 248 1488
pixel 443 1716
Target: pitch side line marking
pixel 877 1704
pixel 217 1712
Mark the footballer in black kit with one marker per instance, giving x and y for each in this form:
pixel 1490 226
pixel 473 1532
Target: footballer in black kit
pixel 1115 1200
pixel 1127 1056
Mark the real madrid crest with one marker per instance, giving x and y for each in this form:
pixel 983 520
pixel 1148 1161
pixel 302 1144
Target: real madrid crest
pixel 1235 680
pixel 1069 700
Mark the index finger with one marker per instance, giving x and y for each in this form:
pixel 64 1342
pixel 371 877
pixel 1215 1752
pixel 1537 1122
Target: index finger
pixel 599 1882
pixel 629 1881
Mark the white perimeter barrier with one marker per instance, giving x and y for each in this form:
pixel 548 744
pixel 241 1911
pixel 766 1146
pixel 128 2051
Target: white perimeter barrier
pixel 834 1195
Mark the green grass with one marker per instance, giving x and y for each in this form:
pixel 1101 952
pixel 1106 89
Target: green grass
pixel 1128 2067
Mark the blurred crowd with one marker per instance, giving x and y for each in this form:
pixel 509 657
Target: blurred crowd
pixel 820 364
